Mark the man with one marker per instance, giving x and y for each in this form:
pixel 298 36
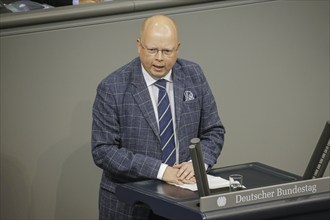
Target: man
pixel 128 130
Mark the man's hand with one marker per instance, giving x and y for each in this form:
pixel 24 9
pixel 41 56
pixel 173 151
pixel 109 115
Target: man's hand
pixel 180 174
pixel 186 172
pixel 170 175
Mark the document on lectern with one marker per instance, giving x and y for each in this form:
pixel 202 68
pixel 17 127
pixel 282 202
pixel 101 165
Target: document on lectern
pixel 215 182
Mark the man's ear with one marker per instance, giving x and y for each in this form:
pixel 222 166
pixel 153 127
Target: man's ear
pixel 138 45
pixel 179 44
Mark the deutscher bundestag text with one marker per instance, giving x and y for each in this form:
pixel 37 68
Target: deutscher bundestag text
pixel 277 192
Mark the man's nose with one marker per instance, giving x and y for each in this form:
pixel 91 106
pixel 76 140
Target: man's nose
pixel 159 55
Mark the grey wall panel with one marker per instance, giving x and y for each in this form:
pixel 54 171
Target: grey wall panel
pixel 267 63
pixel 91 11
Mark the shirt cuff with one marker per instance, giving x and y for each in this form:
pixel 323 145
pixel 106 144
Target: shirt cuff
pixel 161 171
pixel 206 166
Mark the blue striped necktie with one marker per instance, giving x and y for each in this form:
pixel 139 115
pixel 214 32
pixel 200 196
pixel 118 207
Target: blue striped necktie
pixel 165 124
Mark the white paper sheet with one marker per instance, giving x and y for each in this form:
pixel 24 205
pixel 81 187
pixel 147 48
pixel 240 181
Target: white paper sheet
pixel 215 182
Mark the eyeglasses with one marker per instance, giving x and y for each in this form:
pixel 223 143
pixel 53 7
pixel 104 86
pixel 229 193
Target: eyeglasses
pixel 154 51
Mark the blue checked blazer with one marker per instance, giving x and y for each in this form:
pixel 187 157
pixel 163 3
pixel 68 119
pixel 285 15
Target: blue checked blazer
pixel 125 136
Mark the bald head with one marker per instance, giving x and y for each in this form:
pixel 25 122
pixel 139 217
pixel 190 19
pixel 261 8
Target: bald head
pixel 158 45
pixel 159 25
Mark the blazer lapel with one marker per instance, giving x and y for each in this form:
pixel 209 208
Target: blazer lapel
pixel 179 85
pixel 142 98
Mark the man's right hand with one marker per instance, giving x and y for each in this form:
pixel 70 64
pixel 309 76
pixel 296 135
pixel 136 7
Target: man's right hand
pixel 170 176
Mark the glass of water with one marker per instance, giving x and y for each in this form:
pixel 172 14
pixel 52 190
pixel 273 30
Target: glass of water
pixel 235 182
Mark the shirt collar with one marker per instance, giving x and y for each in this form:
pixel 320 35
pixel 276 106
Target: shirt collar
pixel 151 80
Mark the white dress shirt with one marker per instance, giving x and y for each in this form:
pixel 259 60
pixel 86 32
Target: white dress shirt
pixel 153 91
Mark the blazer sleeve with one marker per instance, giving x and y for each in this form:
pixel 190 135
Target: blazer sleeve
pixel 211 132
pixel 108 153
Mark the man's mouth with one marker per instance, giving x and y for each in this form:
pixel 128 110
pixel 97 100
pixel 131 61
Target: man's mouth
pixel 157 67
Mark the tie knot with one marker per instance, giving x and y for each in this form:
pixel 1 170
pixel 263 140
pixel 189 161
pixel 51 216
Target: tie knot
pixel 161 84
